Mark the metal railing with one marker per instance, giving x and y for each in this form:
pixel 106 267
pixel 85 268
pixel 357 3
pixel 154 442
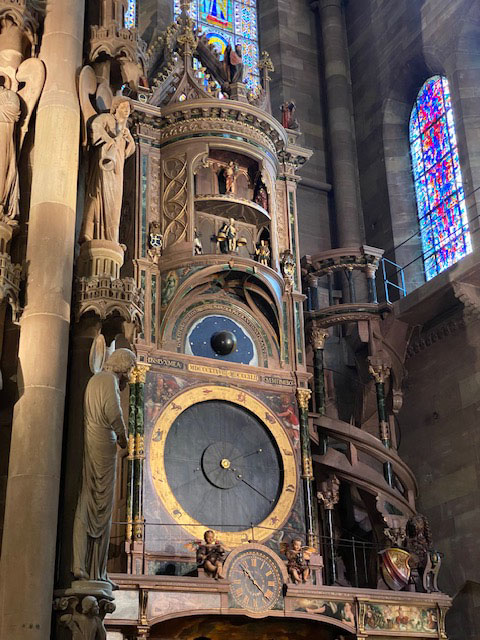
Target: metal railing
pixel 387 283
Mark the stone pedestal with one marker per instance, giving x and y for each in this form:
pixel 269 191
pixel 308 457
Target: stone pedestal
pixel 238 91
pixel 100 258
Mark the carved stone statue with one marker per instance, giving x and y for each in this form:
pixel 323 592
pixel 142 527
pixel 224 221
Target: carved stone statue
pixel 86 625
pixel 233 63
pixel 16 108
pixel 298 558
pixel 9 114
pixel 262 253
pixel 210 555
pixel 104 427
pixel 111 144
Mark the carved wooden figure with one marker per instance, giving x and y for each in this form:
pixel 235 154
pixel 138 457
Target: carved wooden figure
pixel 298 558
pixel 210 556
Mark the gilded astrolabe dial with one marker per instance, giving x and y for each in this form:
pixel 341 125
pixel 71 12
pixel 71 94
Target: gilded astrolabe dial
pixel 220 460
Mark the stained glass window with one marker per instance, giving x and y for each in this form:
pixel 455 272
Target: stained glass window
pixel 230 21
pixel 130 15
pixel 442 213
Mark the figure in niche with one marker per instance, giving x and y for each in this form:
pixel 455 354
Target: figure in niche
pixel 261 197
pixel 86 625
pixel 227 237
pixel 112 144
pixel 233 63
pixel 262 253
pixel 298 559
pixel 9 114
pixel 104 427
pixel 210 555
pixel 197 243
pixel 289 120
pixel 230 173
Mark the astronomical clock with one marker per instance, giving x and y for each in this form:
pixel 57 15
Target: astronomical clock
pixel 218 428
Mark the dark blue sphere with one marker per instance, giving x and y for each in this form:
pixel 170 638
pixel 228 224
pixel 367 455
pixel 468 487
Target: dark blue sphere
pixel 223 342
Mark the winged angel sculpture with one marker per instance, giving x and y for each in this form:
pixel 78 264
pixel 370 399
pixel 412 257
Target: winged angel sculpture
pixel 109 142
pixel 19 93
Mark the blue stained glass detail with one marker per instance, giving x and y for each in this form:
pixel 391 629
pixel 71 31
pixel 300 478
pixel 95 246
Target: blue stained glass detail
pixel 230 21
pixel 130 19
pixel 439 191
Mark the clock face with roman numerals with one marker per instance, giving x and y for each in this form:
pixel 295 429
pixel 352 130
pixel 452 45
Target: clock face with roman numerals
pixel 256 581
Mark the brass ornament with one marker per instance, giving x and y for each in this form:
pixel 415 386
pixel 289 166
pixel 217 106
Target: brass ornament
pixel 303 397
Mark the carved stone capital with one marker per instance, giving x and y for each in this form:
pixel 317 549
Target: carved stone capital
pixel 329 493
pixel 83 614
pixel 303 396
pixel 380 371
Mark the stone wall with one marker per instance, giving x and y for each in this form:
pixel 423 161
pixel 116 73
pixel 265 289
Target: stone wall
pixel 440 440
pixel 288 31
pixel 394 48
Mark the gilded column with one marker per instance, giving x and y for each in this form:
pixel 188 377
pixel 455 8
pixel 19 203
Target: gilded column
pixel 380 373
pixel 139 453
pixel 132 410
pixel 29 542
pixel 303 396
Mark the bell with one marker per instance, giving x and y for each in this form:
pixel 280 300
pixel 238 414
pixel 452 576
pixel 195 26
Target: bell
pixel 242 242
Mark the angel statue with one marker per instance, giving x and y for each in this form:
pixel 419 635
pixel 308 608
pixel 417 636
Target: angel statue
pixel 16 108
pixel 104 428
pixel 111 143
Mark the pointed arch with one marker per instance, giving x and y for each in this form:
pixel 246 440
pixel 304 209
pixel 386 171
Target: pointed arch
pixel 439 192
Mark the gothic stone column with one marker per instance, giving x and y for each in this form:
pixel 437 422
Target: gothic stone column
pixel 28 553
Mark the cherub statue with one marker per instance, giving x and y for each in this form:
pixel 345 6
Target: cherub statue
pixel 210 555
pixel 110 143
pixel 262 253
pixel 86 625
pixel 16 108
pixel 298 558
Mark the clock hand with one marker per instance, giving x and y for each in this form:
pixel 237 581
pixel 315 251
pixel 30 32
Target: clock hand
pixel 247 573
pixel 256 490
pixel 252 453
